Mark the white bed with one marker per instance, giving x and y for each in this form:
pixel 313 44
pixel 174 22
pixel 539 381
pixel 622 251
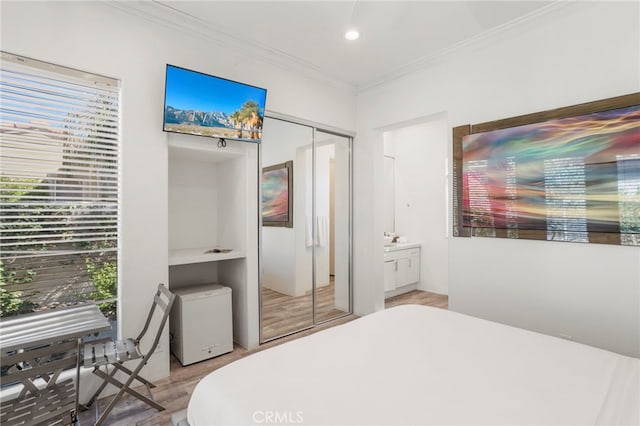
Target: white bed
pixel 419 365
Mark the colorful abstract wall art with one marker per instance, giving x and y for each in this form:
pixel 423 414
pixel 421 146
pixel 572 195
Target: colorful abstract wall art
pixel 571 179
pixel 277 195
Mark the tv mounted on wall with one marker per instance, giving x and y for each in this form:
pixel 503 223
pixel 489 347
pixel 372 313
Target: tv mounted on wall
pixel 206 105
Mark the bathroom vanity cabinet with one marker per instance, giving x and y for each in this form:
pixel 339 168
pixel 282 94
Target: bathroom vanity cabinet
pixel 401 268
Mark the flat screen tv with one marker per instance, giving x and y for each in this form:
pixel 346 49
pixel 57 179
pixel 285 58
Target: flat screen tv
pixel 206 105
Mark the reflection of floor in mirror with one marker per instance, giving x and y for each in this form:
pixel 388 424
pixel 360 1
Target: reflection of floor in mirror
pixel 282 314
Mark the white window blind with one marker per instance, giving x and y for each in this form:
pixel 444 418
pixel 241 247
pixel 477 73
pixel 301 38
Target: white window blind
pixel 59 185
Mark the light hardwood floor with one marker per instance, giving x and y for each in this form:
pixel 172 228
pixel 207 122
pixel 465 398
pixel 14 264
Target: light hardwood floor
pixel 174 391
pixel 282 314
pixel 418 297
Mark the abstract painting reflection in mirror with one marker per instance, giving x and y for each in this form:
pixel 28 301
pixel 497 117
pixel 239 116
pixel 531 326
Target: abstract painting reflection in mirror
pixel 277 195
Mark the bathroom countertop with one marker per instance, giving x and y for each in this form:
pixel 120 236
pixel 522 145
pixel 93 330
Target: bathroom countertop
pixel 400 246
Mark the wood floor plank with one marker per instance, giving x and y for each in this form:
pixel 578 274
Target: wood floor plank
pixel 283 314
pixel 417 297
pixel 174 391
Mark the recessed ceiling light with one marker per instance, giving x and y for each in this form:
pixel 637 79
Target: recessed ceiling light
pixel 352 35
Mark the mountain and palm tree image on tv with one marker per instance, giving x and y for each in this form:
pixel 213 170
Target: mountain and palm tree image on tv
pixel 205 105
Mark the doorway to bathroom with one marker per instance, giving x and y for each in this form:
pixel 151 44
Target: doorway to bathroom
pixel 416 196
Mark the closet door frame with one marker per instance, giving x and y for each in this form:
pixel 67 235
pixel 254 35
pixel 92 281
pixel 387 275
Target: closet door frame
pixel 316 127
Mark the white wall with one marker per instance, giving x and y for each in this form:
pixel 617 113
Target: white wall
pixel 193 184
pixel 103 39
pixel 389 190
pixel 579 52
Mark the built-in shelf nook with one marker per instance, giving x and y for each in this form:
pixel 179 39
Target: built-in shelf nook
pixel 213 217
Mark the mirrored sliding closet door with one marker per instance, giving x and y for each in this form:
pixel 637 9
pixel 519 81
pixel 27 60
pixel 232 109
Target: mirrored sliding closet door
pixel 306 227
pixel 332 219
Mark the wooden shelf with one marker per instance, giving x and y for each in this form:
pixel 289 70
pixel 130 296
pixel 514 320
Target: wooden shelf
pixel 198 255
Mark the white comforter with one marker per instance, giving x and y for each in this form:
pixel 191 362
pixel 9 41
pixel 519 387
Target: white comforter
pixel 419 365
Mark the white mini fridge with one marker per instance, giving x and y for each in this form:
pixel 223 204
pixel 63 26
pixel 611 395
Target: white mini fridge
pixel 201 323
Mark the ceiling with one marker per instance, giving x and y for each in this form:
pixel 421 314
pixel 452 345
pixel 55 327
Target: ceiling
pixel 395 35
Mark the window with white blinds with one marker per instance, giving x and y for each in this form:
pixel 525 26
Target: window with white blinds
pixel 59 186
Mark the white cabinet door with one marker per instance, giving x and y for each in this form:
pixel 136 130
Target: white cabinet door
pixel 402 274
pixel 413 268
pixel 401 268
pixel 390 275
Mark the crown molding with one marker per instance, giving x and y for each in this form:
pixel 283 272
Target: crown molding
pixel 478 41
pixel 163 14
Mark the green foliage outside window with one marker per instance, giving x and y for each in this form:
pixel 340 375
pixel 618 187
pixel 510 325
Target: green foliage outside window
pixel 104 276
pixel 11 302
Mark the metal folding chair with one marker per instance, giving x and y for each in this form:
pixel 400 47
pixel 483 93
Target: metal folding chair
pixel 44 399
pixel 116 353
